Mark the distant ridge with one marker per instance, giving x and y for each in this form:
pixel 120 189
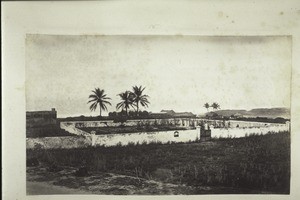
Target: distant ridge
pixel 257 112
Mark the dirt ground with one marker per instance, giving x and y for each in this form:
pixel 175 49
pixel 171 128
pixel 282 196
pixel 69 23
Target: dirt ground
pixel 41 188
pixel 41 181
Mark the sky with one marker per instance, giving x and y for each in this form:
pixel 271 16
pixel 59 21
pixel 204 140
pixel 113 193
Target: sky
pixel 179 72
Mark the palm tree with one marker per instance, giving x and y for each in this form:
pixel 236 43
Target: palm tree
pixel 206 105
pixel 126 101
pixel 215 106
pixel 140 98
pixel 98 97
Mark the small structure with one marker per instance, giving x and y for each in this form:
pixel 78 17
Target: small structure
pixel 236 116
pixel 205 133
pixel 212 115
pixel 42 123
pixel 176 134
pixel 172 113
pixel 184 115
pixel 41 118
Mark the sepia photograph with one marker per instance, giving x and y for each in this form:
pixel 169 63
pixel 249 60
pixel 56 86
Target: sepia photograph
pixel 151 99
pixel 157 115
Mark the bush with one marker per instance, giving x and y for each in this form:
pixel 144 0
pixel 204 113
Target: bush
pixel 120 119
pixel 162 174
pixel 82 171
pixel 54 168
pixel 32 162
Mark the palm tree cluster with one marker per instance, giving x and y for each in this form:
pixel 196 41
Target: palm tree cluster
pixel 214 105
pixel 128 99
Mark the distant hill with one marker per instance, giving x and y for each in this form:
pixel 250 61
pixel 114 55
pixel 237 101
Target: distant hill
pixel 258 112
pixel 228 113
pixel 270 112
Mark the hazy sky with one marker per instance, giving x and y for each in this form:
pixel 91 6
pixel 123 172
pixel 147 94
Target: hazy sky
pixel 179 72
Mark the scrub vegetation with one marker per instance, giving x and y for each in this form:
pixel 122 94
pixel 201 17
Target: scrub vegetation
pixel 253 164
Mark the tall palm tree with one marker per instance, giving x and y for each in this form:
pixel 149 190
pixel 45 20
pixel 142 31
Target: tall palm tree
pixel 126 101
pixel 98 97
pixel 140 98
pixel 206 105
pixel 215 106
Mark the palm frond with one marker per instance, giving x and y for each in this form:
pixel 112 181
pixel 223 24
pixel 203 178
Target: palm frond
pixel 93 96
pixel 106 98
pixel 107 102
pixel 103 106
pixel 92 100
pixel 119 105
pixel 93 106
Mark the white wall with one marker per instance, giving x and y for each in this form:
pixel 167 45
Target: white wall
pixel 66 142
pixel 144 137
pixel 242 132
pixel 182 122
pixel 112 139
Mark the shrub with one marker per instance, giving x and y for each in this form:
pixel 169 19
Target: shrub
pixel 32 162
pixel 82 171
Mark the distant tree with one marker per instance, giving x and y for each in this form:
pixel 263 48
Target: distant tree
pixel 215 106
pixel 122 113
pixel 279 120
pixel 112 114
pixel 127 99
pixel 98 97
pixel 140 98
pixel 206 105
pixel 131 114
pixel 120 119
pixel 144 114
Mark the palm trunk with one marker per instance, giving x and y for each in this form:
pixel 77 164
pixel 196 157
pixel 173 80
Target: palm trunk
pixel 126 112
pixel 100 111
pixel 137 109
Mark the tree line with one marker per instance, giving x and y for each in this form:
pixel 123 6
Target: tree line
pixel 128 99
pixel 214 105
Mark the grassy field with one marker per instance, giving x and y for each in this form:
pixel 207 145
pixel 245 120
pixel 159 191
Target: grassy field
pixel 254 164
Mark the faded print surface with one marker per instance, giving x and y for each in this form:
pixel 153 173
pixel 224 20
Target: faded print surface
pixel 179 72
pixel 190 151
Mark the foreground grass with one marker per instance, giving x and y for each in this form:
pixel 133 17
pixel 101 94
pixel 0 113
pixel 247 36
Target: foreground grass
pixel 259 162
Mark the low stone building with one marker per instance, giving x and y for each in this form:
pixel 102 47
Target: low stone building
pixel 41 118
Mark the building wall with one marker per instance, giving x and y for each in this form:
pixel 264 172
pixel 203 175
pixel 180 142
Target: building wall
pixel 181 122
pixel 143 137
pixel 111 139
pixel 146 138
pixel 242 132
pixel 67 142
pixel 41 118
